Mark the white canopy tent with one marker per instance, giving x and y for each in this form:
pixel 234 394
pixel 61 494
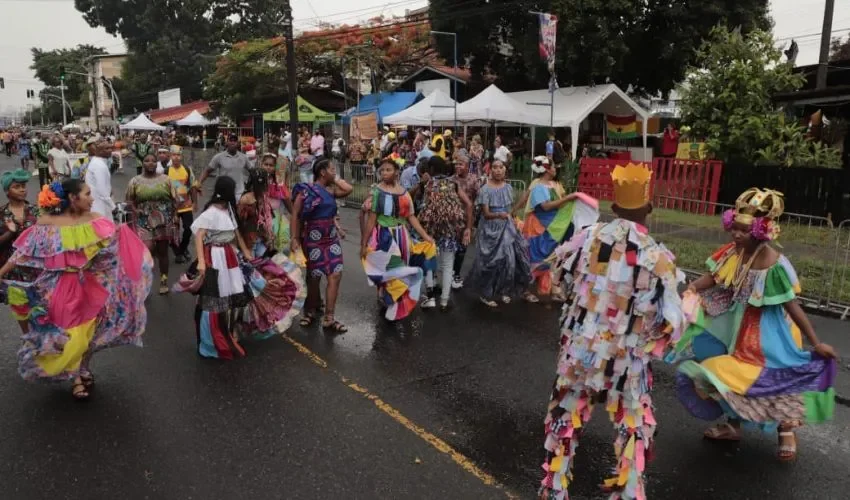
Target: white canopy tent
pixel 574 104
pixel 424 113
pixel 195 119
pixel 141 122
pixel 491 106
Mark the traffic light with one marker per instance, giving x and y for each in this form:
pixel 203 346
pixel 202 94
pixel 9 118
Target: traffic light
pixel 62 73
pixel 2 83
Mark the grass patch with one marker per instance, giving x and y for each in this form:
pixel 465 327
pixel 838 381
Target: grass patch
pixel 816 275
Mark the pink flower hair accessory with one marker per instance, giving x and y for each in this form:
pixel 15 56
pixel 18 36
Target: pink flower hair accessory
pixel 728 219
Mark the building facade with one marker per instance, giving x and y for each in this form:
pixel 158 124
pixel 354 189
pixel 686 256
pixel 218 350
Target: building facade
pixel 106 66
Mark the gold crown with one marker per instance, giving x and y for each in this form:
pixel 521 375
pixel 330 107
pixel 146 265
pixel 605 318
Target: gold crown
pixel 631 185
pixel 755 202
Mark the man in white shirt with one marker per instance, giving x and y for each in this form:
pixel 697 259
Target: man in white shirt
pixel 99 179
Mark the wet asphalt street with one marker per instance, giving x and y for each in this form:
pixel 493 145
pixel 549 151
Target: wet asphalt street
pixel 440 406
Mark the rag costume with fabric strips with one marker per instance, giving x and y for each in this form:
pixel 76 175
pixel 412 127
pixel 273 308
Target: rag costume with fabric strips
pixel 622 311
pixel 237 298
pixel 742 355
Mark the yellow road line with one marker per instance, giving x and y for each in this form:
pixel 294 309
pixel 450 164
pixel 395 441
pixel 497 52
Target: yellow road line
pixel 426 436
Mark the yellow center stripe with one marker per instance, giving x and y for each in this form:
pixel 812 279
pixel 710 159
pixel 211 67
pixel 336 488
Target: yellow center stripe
pixel 426 436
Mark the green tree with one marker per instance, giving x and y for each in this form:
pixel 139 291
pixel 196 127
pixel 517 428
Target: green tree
pixel 727 99
pixel 253 73
pixel 839 50
pixel 174 43
pixel 646 44
pixel 46 67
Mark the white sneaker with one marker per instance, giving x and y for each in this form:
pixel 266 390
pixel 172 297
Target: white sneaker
pixel 457 283
pixel 428 303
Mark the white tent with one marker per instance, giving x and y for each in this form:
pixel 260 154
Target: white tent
pixel 195 119
pixel 574 104
pixel 141 122
pixel 490 106
pixel 424 112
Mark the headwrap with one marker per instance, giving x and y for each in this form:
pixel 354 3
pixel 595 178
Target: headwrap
pixel 540 164
pixel 19 176
pixel 176 150
pixel 758 209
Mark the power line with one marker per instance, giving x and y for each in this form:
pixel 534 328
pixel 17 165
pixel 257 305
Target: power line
pixel 809 35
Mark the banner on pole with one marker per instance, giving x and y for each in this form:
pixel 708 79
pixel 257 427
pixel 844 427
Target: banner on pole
pixel 548 37
pixel 364 127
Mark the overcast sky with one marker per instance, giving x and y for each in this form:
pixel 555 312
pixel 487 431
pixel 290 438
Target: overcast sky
pixel 18 31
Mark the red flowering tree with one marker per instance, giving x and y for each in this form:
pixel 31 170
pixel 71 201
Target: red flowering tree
pixel 254 71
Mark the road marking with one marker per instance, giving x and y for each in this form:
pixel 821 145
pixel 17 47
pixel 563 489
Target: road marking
pixel 441 446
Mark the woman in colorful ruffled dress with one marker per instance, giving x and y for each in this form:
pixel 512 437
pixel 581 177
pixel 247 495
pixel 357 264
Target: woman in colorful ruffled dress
pixel 90 293
pixel 393 261
pixel 279 197
pixel 501 270
pixel 744 349
pixel 18 214
pixel 239 296
pixel 314 228
pixel 545 226
pixel 153 201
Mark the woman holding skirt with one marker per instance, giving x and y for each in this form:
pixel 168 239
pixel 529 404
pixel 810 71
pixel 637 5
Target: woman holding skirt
pixel 501 270
pixel 238 296
pixel 90 292
pixel 743 353
pixel 392 260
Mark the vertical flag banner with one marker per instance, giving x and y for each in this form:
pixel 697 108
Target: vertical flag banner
pixel 548 35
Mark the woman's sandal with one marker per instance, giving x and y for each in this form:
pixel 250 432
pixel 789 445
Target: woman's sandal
pixel 80 391
pixel 722 432
pixel 307 319
pixel 531 298
pixel 87 379
pixel 330 324
pixel 489 303
pixel 787 452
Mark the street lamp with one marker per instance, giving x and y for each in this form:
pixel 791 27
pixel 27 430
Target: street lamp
pixel 454 78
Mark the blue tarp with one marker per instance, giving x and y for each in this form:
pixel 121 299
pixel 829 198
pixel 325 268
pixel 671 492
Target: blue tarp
pixel 384 103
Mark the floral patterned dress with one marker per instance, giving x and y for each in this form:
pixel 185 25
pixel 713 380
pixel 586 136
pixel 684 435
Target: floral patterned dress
pixel 90 295
pixel 443 216
pixel 154 207
pixel 19 273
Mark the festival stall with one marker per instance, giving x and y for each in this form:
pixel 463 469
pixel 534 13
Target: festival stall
pixel 141 122
pixel 572 105
pixel 307 113
pixel 383 104
pixel 423 113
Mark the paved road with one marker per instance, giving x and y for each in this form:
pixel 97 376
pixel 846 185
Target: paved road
pixel 444 405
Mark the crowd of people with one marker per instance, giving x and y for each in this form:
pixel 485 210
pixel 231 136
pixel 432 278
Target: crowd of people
pixel 77 281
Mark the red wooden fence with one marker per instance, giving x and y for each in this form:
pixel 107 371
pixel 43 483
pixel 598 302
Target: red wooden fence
pixel 688 185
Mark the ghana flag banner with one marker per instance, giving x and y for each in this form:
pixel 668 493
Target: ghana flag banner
pixel 622 127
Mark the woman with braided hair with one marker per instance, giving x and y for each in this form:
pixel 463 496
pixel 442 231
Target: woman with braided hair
pixel 90 291
pixel 743 352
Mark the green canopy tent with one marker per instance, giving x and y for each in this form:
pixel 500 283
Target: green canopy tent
pixel 307 113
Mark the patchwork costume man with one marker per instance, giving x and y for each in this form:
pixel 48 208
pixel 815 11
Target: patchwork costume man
pixel 622 311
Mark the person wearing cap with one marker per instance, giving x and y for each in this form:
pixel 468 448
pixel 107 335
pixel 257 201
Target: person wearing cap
pixel 78 171
pixel 230 162
pixel 186 193
pixel 623 311
pixel 163 159
pixel 99 179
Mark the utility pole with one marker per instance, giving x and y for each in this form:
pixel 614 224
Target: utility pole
pixel 94 99
pixel 62 89
pixel 825 39
pixel 290 71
